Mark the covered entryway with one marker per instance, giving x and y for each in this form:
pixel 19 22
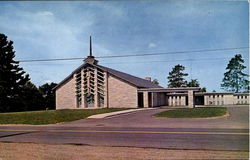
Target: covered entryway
pixel 154 97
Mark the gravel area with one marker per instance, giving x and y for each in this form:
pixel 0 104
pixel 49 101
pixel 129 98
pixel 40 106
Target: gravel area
pixel 30 151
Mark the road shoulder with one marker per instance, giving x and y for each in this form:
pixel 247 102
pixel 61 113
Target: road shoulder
pixel 30 151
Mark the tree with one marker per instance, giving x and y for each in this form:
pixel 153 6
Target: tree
pixel 203 89
pixel 176 77
pixel 12 77
pixel 32 98
pixel 235 79
pixel 155 81
pixel 49 95
pixel 193 83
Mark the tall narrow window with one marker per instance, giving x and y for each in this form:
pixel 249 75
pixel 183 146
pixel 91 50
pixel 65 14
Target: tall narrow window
pixel 100 87
pixel 78 89
pixel 89 86
pixel 93 86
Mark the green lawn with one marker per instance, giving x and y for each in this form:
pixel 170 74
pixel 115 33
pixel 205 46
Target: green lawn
pixel 51 116
pixel 194 112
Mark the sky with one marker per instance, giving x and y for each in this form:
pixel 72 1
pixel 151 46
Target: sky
pixel 61 29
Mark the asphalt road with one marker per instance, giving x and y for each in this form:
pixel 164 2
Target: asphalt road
pixel 89 132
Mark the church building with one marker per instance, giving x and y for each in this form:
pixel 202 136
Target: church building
pixel 94 86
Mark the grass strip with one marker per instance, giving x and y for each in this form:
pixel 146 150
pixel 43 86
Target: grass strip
pixel 203 112
pixel 51 116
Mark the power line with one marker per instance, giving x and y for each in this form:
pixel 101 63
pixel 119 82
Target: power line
pixel 53 59
pixel 177 52
pixel 135 55
pixel 201 59
pixel 163 61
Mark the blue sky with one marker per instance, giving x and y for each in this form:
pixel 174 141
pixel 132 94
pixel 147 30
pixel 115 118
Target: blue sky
pixel 61 29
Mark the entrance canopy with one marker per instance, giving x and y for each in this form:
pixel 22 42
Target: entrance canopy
pixel 150 97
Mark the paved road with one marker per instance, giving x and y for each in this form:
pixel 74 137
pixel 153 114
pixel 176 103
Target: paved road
pixel 126 132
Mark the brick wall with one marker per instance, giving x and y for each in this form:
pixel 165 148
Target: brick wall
pixel 121 94
pixel 65 95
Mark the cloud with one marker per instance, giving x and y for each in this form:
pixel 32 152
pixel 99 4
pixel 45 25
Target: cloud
pixel 152 45
pixel 45 33
pixel 45 13
pixel 42 31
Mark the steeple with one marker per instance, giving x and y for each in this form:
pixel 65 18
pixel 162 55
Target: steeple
pixel 90 47
pixel 90 59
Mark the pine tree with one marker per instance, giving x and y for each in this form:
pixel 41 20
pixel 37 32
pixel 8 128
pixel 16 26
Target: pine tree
pixel 12 77
pixel 49 95
pixel 155 81
pixel 193 83
pixel 176 77
pixel 32 98
pixel 235 80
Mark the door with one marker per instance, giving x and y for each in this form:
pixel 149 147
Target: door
pixel 140 100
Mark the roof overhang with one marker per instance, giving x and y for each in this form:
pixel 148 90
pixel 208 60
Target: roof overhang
pixel 169 90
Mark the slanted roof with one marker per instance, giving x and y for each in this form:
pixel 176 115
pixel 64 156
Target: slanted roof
pixel 136 81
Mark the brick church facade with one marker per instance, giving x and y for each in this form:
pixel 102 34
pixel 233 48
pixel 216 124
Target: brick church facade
pixel 95 86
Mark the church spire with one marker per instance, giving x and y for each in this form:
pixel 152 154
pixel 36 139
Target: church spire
pixel 90 59
pixel 90 47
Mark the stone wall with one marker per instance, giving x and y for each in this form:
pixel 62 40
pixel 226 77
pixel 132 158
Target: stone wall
pixel 65 95
pixel 241 99
pixel 121 94
pixel 226 99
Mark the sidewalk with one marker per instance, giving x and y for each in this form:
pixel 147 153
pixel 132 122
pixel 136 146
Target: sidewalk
pixel 104 115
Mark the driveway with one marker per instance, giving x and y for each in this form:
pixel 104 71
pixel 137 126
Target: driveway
pixel 238 119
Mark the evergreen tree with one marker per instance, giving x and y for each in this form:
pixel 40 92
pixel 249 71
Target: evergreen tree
pixel 193 83
pixel 32 98
pixel 203 89
pixel 49 95
pixel 235 79
pixel 176 77
pixel 12 77
pixel 155 81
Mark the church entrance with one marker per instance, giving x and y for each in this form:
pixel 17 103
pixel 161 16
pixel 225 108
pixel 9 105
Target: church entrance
pixel 140 100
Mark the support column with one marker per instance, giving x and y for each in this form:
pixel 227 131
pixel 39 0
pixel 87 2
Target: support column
pixel 82 89
pixel 215 99
pixel 182 100
pixel 145 100
pixel 178 101
pixel 191 99
pixel 75 101
pixel 106 90
pixel 205 100
pixel 170 100
pixel 96 103
pixel 174 100
pixel 219 100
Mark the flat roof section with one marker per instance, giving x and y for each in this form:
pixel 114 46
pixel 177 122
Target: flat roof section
pixel 169 90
